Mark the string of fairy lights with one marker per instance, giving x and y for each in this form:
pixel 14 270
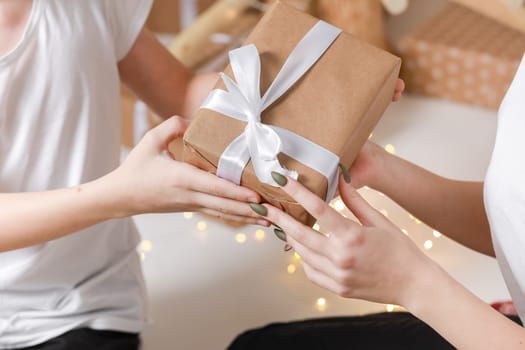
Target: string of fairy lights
pixel 293 264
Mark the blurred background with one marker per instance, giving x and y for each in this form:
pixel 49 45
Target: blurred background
pixel 208 280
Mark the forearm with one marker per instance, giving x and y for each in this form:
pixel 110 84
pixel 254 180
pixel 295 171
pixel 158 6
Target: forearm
pixel 155 76
pixel 36 217
pixel 462 318
pixel 161 81
pixel 454 208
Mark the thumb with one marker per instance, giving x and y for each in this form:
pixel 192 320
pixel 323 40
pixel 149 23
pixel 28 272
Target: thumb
pixel 167 131
pixel 363 211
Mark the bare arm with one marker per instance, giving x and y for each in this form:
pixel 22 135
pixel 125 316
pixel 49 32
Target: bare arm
pixel 161 81
pixel 148 181
pixel 373 260
pixel 32 218
pixel 454 208
pixel 461 317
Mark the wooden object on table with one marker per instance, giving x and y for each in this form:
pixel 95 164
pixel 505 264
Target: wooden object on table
pixel 193 46
pixel 508 12
pixel 171 16
pixel 362 18
pixel 212 33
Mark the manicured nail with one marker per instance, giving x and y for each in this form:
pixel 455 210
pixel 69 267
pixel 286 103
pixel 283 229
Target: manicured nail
pixel 280 234
pixel 279 178
pixel 259 209
pixel 287 247
pixel 346 174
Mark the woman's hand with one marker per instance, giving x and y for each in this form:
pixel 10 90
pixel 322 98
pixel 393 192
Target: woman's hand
pixel 366 168
pixel 150 180
pixel 400 87
pixel 370 260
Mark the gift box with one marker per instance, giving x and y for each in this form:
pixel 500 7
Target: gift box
pixel 328 112
pixel 507 12
pixel 463 56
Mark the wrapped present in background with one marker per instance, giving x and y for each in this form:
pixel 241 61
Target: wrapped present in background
pixel 507 12
pixel 463 56
pixel 334 105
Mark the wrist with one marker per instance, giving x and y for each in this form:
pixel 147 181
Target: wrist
pixel 380 175
pixel 425 291
pixel 113 199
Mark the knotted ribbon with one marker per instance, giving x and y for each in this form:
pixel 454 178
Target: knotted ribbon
pixel 260 142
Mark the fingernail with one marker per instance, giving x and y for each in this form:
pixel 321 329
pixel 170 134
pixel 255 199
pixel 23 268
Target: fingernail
pixel 346 174
pixel 259 209
pixel 280 234
pixel 287 247
pixel 279 178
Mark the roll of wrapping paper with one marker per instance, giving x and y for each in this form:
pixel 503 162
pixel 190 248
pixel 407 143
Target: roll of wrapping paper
pixel 196 46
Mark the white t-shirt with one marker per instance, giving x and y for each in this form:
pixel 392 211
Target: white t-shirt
pixel 505 190
pixel 59 127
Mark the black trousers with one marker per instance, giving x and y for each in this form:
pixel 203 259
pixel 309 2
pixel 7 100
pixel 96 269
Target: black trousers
pixel 89 339
pixel 383 331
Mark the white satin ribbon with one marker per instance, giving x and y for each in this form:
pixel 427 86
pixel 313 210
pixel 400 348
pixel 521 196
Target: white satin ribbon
pixel 260 142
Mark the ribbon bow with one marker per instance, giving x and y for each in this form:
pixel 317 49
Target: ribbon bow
pixel 260 142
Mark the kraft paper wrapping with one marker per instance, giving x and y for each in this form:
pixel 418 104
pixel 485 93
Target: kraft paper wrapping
pixel 336 104
pixel 463 56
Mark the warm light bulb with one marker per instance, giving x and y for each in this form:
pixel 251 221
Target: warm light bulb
pixel 436 234
pixel 297 256
pixel 291 269
pixel 259 235
pixel 146 246
pixel 142 256
pixel 390 149
pixel 390 308
pixel 240 238
pixel 428 244
pixel 201 225
pixel 316 227
pixel 404 231
pixel 320 304
pixel 384 212
pixel 187 215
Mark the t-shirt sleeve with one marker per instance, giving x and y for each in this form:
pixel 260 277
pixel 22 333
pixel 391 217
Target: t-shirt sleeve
pixel 126 19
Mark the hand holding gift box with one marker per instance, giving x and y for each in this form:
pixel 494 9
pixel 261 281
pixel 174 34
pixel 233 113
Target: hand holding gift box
pixel 324 92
